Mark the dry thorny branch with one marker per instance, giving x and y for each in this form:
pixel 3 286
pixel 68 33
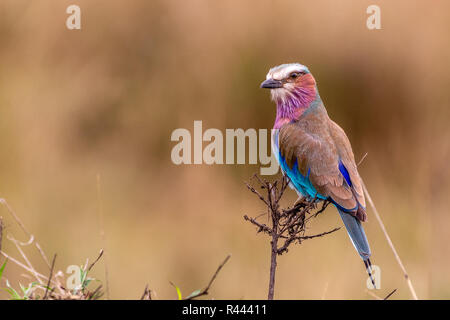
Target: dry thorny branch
pixel 287 225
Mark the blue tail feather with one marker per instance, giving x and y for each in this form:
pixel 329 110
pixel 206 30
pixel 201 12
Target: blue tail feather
pixel 356 233
pixel 359 240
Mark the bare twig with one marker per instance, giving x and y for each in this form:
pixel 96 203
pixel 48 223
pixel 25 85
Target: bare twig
pixel 147 295
pixel 206 290
pixel 286 224
pixel 369 292
pixel 96 260
pixel 397 257
pixel 262 227
pixel 390 294
pixel 317 235
pixel 257 193
pixel 284 248
pixel 273 255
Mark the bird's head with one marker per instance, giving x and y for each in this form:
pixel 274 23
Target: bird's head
pixel 291 83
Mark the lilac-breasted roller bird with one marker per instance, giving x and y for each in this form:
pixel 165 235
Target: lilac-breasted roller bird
pixel 314 152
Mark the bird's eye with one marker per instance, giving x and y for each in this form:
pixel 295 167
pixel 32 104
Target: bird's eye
pixel 294 75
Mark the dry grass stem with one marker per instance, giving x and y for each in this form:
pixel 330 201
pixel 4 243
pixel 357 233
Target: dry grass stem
pixel 46 287
pixel 1 232
pixel 397 257
pixel 22 226
pixel 50 277
pixel 206 289
pixel 102 233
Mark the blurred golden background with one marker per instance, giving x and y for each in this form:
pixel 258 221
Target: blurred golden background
pixel 105 99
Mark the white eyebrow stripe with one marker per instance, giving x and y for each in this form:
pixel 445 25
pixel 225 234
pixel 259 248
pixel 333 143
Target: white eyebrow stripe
pixel 283 71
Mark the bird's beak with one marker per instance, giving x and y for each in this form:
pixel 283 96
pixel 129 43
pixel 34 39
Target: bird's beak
pixel 271 84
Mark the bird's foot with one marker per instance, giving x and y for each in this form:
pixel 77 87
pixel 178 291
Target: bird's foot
pixel 300 199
